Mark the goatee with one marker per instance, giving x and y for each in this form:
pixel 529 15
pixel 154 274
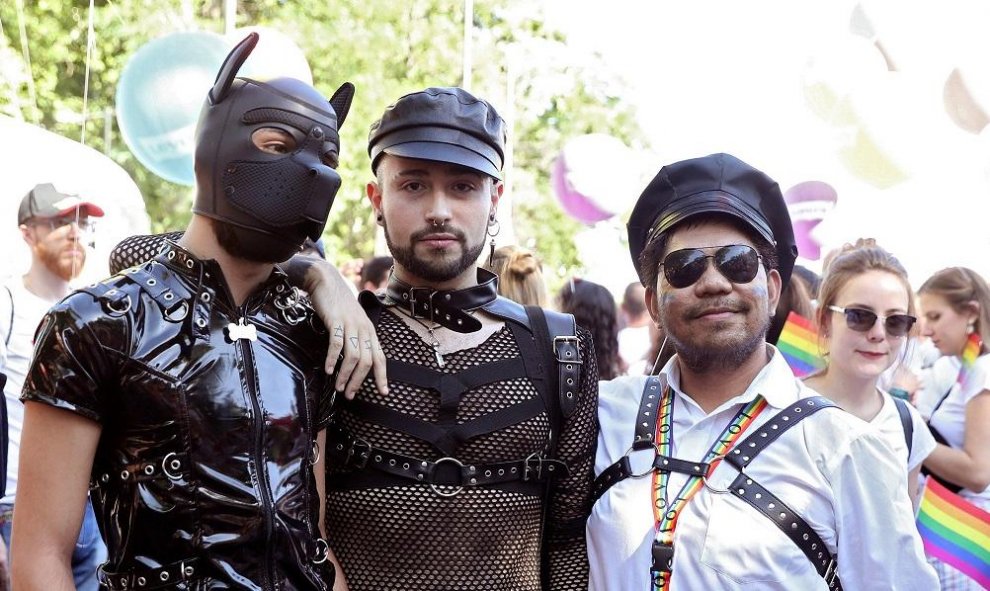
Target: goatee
pixel 434 271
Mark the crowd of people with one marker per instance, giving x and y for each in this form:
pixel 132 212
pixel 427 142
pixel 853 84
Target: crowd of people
pixel 224 413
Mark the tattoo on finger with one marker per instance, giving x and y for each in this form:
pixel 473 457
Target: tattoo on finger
pixel 367 344
pixel 354 342
pixel 338 331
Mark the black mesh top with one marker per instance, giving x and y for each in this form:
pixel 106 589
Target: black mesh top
pixel 408 537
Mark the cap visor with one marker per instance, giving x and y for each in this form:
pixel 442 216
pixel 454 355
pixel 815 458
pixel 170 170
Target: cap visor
pixel 92 210
pixel 450 153
pixel 713 202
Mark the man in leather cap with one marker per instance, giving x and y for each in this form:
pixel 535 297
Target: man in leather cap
pixel 187 391
pixel 724 471
pixel 473 470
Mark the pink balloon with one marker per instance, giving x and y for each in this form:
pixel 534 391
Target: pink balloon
pixel 578 206
pixel 808 203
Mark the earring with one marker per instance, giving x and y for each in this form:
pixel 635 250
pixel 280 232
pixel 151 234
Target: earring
pixel 380 217
pixel 491 245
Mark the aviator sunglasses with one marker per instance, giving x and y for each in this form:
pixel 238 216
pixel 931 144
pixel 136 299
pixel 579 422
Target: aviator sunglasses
pixel 860 320
pixel 738 263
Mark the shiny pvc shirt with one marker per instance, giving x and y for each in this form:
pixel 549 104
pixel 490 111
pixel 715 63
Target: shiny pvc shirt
pixel 207 444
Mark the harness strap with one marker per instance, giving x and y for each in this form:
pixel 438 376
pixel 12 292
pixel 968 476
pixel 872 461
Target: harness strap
pixel 906 423
pixel 167 575
pixel 446 471
pixel 452 386
pixel 622 469
pixel 787 520
pixel 567 350
pixel 446 439
pixel 793 526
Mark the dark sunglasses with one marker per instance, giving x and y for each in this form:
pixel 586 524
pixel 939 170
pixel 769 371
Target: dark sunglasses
pixel 738 263
pixel 860 320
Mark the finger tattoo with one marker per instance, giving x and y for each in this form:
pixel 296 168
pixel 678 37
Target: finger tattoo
pixel 338 331
pixel 367 344
pixel 354 342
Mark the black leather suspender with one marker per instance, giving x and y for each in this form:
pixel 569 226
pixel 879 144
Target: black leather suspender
pixel 744 487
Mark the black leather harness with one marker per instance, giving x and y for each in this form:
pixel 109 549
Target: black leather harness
pixel 743 486
pixel 547 340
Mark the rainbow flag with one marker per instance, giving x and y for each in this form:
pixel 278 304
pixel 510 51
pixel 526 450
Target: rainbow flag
pixel 955 531
pixel 970 352
pixel 798 342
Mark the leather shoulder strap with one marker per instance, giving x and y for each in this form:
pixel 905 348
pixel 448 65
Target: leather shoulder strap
pixel 906 422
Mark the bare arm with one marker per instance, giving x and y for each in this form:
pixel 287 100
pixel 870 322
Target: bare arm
pixel 57 449
pixel 968 467
pixel 319 471
pixel 351 333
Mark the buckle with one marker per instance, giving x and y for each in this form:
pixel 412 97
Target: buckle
pixel 362 456
pixel 831 575
pixel 572 339
pixel 527 468
pixel 433 469
pixel 427 296
pixel 663 557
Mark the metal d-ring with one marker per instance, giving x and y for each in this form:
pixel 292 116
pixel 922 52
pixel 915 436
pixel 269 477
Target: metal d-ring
pixel 704 477
pixel 322 551
pixel 439 492
pixel 652 468
pixel 123 309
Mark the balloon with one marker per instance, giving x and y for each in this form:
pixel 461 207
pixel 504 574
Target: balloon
pixel 594 177
pixel 159 97
pixel 834 71
pixel 275 56
pixel 862 157
pixel 808 203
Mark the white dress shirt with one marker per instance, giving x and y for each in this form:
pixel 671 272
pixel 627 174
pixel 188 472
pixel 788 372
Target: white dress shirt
pixel 833 469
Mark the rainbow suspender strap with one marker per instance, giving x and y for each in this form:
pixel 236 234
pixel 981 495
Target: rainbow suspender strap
pixel 665 515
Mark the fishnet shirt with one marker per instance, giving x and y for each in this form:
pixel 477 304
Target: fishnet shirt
pixel 408 537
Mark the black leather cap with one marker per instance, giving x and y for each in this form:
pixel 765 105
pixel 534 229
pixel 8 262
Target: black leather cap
pixel 444 125
pixel 719 183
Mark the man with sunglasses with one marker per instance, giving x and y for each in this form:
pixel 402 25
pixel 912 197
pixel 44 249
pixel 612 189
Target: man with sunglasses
pixel 55 226
pixel 724 471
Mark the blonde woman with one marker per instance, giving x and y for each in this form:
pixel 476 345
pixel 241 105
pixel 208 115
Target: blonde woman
pixel 865 314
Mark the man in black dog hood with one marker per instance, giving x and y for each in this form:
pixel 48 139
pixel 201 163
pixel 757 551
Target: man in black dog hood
pixel 187 393
pixel 268 203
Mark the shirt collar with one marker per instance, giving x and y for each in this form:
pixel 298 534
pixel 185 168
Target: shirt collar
pixel 776 382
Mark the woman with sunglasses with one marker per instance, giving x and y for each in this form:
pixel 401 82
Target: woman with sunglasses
pixel 865 313
pixel 956 307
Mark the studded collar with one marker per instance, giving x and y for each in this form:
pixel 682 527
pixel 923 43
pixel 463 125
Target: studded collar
pixel 446 308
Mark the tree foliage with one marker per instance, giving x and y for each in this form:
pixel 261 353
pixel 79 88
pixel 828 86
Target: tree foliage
pixel 385 48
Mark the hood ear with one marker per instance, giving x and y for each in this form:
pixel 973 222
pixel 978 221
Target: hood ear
pixel 341 102
pixel 231 65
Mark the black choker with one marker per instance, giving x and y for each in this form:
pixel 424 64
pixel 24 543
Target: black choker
pixel 446 308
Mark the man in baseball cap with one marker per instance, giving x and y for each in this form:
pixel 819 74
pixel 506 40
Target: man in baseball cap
pixel 45 202
pixel 474 471
pixel 755 479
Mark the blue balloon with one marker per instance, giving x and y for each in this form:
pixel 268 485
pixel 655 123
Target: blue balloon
pixel 159 97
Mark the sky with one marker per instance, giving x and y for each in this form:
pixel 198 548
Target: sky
pixel 802 91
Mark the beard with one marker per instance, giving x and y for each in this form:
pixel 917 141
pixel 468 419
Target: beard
pixel 249 245
pixel 433 271
pixel 726 354
pixel 65 269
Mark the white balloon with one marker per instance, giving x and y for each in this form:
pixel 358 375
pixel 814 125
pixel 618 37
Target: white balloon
pixel 603 169
pixel 275 56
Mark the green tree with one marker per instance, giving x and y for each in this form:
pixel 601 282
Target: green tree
pixel 385 48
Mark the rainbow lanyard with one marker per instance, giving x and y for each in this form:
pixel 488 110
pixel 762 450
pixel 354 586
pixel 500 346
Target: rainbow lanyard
pixel 665 518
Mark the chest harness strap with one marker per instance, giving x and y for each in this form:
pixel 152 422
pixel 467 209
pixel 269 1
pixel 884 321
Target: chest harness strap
pixel 654 429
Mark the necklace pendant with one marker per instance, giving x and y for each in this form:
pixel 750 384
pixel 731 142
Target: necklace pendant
pixel 436 351
pixel 241 330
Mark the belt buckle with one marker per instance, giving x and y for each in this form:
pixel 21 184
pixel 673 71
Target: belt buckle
pixel 566 339
pixel 362 456
pixel 527 466
pixel 433 485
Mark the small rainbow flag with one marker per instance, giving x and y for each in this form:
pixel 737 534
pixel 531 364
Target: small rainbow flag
pixel 798 342
pixel 970 352
pixel 955 531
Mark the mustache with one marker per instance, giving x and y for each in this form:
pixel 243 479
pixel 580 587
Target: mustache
pixel 444 229
pixel 720 304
